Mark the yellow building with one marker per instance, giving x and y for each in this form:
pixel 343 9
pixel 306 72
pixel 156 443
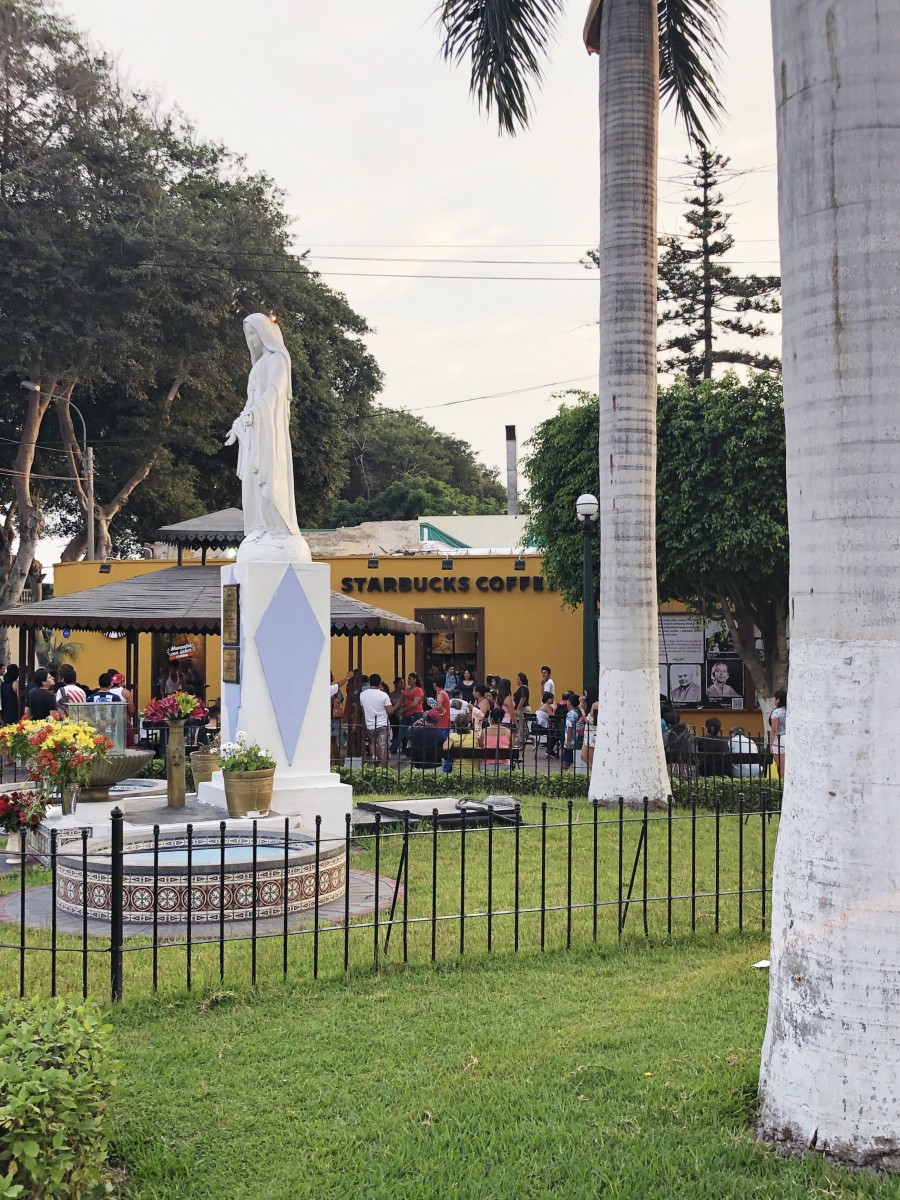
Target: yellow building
pixel 488 610
pixel 492 613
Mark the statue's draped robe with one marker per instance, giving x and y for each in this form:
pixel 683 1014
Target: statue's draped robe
pixel 265 463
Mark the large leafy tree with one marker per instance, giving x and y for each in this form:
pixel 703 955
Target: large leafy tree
pixel 721 523
pixel 830 1074
pixel 390 445
pixel 645 47
pixel 131 251
pixel 413 496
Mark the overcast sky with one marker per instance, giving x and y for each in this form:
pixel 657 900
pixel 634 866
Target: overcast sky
pixel 384 158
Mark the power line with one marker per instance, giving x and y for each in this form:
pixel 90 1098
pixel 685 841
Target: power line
pixel 35 475
pixel 537 387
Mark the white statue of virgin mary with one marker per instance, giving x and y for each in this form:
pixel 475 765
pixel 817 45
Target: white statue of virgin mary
pixel 262 430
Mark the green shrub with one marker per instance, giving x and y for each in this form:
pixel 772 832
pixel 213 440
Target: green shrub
pixel 155 769
pixel 758 793
pixel 56 1076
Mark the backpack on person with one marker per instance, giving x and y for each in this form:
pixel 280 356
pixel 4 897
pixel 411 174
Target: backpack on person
pixel 337 705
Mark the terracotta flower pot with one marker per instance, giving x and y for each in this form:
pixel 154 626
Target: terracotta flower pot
pixel 249 793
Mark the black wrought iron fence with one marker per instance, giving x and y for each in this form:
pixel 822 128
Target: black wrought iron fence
pixel 392 755
pixel 211 906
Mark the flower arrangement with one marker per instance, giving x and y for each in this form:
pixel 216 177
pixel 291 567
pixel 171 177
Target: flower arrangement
pixel 15 740
pixel 58 753
pixel 21 810
pixel 244 755
pixel 178 707
pixel 62 754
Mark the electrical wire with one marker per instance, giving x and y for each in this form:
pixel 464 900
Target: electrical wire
pixel 499 395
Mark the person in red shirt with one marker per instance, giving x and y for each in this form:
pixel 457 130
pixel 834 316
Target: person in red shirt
pixel 441 703
pixel 412 705
pixel 442 711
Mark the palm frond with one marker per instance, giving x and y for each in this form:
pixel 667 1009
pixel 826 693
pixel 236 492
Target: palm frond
pixel 689 51
pixel 505 41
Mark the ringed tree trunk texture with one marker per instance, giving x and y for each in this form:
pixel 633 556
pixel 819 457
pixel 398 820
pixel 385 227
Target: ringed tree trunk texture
pixel 831 1059
pixel 629 761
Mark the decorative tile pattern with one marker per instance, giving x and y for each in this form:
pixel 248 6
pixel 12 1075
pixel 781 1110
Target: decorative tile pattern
pixel 168 893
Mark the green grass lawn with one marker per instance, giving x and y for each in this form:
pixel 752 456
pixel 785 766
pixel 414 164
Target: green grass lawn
pixel 626 1073
pixel 718 863
pixel 606 1070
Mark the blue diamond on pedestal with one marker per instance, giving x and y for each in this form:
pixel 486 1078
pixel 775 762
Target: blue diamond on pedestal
pixel 289 641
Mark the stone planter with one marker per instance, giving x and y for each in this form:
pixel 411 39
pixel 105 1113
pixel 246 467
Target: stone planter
pixel 203 766
pixel 248 793
pixel 107 772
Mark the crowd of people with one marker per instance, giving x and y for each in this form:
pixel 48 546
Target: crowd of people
pixel 53 689
pixel 451 711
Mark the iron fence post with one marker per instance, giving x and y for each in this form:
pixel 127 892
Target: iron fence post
pixel 117 898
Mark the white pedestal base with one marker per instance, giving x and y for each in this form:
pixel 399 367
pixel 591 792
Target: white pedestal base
pixel 294 795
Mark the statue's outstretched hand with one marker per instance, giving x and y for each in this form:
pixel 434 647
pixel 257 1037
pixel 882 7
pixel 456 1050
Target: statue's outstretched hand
pixel 231 439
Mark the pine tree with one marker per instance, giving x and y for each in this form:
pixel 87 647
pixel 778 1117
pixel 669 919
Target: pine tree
pixel 700 296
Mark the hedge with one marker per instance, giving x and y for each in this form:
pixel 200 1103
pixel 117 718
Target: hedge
pixel 385 782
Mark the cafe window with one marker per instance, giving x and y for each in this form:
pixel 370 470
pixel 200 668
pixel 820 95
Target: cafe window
pixel 453 636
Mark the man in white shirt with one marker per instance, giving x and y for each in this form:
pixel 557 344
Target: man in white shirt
pixel 742 745
pixel 547 684
pixel 377 708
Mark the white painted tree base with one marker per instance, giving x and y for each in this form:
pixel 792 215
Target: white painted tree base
pixel 629 758
pixel 830 1075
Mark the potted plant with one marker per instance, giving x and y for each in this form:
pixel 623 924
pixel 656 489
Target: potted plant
pixel 173 711
pixel 205 761
pixel 249 775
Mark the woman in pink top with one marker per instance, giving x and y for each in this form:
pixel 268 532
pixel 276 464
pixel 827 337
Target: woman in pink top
pixel 497 737
pixel 506 702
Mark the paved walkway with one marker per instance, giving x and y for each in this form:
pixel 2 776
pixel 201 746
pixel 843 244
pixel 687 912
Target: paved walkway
pixel 362 903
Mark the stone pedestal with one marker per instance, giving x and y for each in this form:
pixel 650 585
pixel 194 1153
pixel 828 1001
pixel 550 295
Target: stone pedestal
pixel 282 700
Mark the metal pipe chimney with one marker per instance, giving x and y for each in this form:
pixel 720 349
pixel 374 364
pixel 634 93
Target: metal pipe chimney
pixel 512 472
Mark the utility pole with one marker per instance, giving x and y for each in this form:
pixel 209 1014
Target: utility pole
pixel 89 489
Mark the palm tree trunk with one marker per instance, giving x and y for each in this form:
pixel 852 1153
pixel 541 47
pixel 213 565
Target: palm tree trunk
pixel 629 761
pixel 831 1059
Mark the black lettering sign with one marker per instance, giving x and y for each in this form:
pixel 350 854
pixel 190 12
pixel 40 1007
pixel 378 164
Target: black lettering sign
pixel 420 584
pixel 374 585
pixel 511 582
pixel 434 584
pixel 495 583
pixel 360 583
pixel 390 585
pixel 405 583
pixel 463 582
pixel 481 583
pixel 524 583
pixel 538 583
pixel 346 584
pixel 449 584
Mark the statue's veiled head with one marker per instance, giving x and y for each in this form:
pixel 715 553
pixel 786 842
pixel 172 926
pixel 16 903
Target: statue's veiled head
pixel 262 334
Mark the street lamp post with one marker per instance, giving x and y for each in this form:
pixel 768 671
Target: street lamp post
pixel 87 454
pixel 587 508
